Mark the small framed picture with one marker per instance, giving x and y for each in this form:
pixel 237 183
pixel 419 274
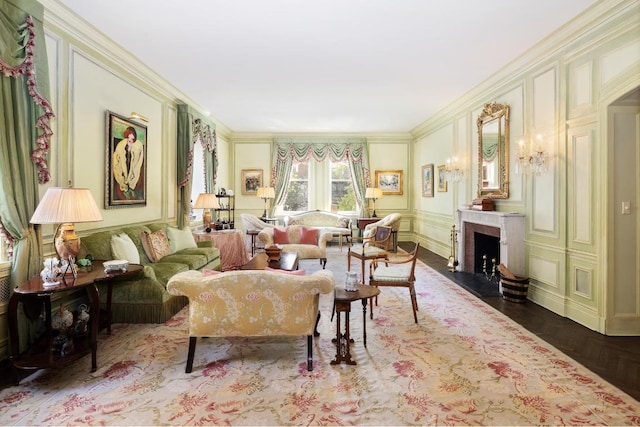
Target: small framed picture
pixel 390 182
pixel 442 179
pixel 427 180
pixel 251 180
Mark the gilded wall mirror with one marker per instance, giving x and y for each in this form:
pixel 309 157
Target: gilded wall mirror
pixel 493 151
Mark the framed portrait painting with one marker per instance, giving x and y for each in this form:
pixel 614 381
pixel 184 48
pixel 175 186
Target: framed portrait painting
pixel 251 180
pixel 126 163
pixel 390 182
pixel 427 180
pixel 442 179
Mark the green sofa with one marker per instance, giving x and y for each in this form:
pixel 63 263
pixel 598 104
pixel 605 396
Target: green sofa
pixel 144 297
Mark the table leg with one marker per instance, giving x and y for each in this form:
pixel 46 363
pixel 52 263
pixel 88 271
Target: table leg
pixel 342 341
pixel 92 290
pixel 364 321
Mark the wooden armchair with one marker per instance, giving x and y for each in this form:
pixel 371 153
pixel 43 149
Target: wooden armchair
pixel 396 272
pixel 373 247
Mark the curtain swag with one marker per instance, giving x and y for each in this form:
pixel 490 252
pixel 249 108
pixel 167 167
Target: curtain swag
pixel 23 64
pixel 287 150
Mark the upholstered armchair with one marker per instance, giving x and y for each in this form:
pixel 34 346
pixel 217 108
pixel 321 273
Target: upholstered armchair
pixel 252 223
pixel 391 220
pixel 251 303
pixel 299 239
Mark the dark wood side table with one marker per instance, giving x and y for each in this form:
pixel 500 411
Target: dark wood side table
pixel 288 261
pixel 254 235
pixel 343 301
pixel 33 295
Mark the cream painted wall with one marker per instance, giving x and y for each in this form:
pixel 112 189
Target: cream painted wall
pixel 560 88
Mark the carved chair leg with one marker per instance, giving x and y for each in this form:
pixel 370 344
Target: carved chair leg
pixel 309 353
pixel 316 333
pixel 192 350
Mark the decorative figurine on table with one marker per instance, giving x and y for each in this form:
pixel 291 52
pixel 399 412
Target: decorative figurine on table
pixel 51 272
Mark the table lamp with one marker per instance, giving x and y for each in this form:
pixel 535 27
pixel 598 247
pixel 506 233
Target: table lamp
pixel 266 193
pixel 373 194
pixel 206 201
pixel 65 206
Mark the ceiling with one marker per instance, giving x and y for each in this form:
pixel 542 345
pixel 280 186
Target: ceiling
pixel 326 65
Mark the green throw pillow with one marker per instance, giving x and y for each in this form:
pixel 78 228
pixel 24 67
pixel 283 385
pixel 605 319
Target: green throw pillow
pixel 180 239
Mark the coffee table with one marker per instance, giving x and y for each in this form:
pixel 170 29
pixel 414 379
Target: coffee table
pixel 288 261
pixel 343 299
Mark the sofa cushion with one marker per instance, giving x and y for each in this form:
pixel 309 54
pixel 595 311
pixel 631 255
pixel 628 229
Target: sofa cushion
pixel 309 236
pixel 180 239
pixel 280 237
pixel 210 252
pixel 194 261
pixel 342 222
pixel 165 270
pixel 156 245
pixel 122 247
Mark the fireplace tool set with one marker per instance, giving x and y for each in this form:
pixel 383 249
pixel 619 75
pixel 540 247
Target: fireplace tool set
pixel 453 261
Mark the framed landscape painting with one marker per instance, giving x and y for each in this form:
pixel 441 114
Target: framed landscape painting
pixel 427 180
pixel 126 163
pixel 251 180
pixel 442 179
pixel 390 182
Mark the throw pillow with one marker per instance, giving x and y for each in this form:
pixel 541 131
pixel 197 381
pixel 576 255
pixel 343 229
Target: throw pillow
pixel 309 236
pixel 343 222
pixel 292 272
pixel 180 239
pixel 122 247
pixel 156 245
pixel 280 237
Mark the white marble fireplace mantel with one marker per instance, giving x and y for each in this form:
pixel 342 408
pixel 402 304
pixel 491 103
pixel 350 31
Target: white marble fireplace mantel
pixel 511 232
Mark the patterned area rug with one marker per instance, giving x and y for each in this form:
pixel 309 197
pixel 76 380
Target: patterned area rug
pixel 463 364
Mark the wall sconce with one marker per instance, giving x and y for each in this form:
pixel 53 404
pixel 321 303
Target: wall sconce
pixel 373 194
pixel 138 116
pixel 206 201
pixel 266 193
pixel 452 170
pixel 537 162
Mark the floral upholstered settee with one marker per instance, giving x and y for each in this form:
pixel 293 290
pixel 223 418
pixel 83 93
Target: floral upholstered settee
pixel 337 225
pixel 143 298
pixel 298 239
pixel 251 303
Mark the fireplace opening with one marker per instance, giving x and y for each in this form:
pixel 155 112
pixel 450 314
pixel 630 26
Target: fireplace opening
pixel 486 249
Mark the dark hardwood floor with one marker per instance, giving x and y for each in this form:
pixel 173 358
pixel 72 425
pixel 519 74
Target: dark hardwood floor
pixel 615 359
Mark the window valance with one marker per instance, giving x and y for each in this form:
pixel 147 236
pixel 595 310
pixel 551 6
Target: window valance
pixel 286 150
pixel 193 127
pixel 23 56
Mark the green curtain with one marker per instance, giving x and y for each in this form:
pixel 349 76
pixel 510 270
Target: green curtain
pixel 354 150
pixel 193 127
pixel 25 133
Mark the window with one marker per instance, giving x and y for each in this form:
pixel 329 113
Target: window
pixel 298 192
pixel 343 198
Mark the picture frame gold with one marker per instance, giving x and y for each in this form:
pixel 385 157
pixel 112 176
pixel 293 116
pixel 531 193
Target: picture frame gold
pixel 427 180
pixel 389 181
pixel 442 179
pixel 251 181
pixel 125 183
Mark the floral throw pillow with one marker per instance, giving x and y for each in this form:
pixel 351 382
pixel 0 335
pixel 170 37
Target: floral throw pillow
pixel 156 245
pixel 342 222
